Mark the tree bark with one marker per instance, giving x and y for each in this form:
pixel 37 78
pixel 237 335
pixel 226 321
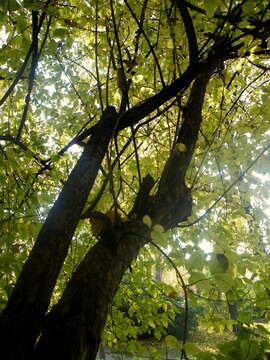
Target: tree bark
pixel 233 311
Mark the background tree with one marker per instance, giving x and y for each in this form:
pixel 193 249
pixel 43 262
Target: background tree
pixel 167 101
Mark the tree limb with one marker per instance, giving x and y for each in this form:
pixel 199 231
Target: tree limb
pixel 148 42
pixel 190 31
pixel 140 111
pixel 34 64
pixel 173 202
pixel 23 66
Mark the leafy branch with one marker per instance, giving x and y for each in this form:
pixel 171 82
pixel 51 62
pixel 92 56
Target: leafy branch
pixel 208 211
pixel 32 49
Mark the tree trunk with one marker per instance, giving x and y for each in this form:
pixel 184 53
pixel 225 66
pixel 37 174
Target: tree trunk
pixel 233 311
pixel 75 325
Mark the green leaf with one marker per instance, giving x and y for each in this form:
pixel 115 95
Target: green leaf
pixel 147 220
pixel 32 4
pixel 170 44
pixel 210 7
pixel 226 169
pixel 158 228
pixel 60 32
pixel 9 5
pixel 196 277
pixel 158 237
pixel 197 260
pixel 172 342
pixel 157 334
pixel 164 319
pixel 192 349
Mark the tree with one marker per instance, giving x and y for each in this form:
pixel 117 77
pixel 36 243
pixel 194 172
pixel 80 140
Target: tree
pixel 167 100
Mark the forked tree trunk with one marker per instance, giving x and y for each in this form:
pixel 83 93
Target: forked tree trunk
pixel 72 330
pixel 75 324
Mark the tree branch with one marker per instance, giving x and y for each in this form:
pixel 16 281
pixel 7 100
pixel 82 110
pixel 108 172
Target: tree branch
pixel 140 111
pixel 190 31
pixel 96 57
pixel 24 64
pixel 23 147
pixel 34 64
pixel 173 202
pixel 14 141
pixel 139 31
pixel 194 7
pixel 121 76
pixel 140 206
pixel 148 42
pixel 81 312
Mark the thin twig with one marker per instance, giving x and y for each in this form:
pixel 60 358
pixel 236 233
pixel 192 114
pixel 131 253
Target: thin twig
pixel 121 71
pixel 236 101
pixel 139 31
pixel 32 73
pixel 70 80
pixel 136 155
pixel 23 66
pixel 15 141
pixel 94 203
pixel 96 60
pixel 148 42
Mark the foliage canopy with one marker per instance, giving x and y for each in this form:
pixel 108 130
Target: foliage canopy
pixel 161 108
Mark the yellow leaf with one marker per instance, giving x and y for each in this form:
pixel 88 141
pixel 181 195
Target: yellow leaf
pixel 137 78
pixel 158 228
pixel 181 147
pixel 170 44
pixel 192 349
pixel 147 220
pixel 158 237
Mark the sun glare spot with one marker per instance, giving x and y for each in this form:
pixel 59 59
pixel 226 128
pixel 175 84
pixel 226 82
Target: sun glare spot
pixel 206 246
